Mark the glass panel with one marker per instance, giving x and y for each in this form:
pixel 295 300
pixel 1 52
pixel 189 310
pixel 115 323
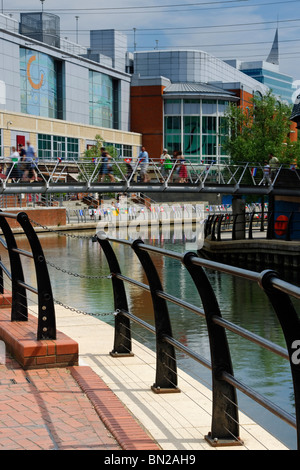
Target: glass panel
pixel 101 99
pixel 209 125
pixel 209 106
pixel 44 146
pixel 192 144
pixel 172 106
pixel 191 107
pixel 173 125
pixel 209 144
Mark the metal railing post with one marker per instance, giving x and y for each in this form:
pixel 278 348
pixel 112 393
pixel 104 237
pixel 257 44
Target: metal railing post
pixel 166 368
pixel 290 324
pixel 122 339
pixel 46 309
pixel 219 227
pixel 19 311
pixel 225 421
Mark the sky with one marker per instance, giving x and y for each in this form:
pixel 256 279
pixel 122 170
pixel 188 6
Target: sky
pixel 230 29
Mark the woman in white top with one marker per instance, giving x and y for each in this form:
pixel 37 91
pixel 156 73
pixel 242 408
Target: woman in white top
pixel 12 171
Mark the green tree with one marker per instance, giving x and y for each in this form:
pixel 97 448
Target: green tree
pixel 261 128
pixel 92 157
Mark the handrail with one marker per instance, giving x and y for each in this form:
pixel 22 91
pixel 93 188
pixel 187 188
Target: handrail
pixel 225 423
pixel 213 178
pixel 46 328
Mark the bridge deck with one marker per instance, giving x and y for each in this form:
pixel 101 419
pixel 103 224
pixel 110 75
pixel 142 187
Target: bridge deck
pixel 176 421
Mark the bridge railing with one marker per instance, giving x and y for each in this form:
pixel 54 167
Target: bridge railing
pixel 225 421
pixel 182 171
pixel 46 328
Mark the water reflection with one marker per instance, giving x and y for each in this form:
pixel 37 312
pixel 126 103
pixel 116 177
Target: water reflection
pixel 240 301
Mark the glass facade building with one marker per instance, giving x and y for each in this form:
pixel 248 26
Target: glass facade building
pixel 281 85
pixel 197 127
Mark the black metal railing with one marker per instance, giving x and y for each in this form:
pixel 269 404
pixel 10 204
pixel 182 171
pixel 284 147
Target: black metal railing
pixel 282 225
pixel 225 422
pixel 46 328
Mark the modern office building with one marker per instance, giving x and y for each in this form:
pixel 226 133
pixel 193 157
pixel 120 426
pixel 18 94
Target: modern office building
pixel 60 95
pixel 179 99
pixel 268 73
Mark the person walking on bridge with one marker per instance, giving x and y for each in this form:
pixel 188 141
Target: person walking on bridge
pixel 143 161
pixel 30 160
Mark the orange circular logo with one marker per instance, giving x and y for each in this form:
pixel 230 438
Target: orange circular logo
pixel 36 86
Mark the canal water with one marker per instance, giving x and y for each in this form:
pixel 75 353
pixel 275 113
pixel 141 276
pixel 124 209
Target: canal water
pixel 241 302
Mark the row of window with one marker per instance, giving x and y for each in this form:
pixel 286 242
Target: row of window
pixel 197 127
pixel 192 106
pixel 51 147
pixel 196 136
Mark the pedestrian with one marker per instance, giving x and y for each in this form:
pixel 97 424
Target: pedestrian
pixel 106 168
pixel 176 167
pixel 267 173
pixel 183 174
pixel 22 161
pixel 102 164
pixel 274 163
pixel 12 171
pixel 30 160
pixel 143 161
pixel 166 164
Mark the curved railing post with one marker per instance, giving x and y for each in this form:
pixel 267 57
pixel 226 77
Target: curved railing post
pixel 122 340
pixel 290 324
pixel 234 224
pixel 250 236
pixel 46 310
pixel 19 310
pixel 219 227
pixel 213 235
pixel 166 368
pixel 225 421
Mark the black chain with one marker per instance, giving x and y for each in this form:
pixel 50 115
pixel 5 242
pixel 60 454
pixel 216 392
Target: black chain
pixel 82 276
pixel 83 237
pixel 73 309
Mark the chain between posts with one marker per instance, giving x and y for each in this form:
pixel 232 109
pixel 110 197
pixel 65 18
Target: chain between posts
pixel 60 232
pixel 82 276
pixel 82 312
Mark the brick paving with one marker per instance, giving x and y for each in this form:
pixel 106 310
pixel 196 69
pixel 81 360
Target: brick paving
pixel 63 409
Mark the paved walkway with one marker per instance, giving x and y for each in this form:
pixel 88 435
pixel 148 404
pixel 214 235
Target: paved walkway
pixel 106 403
pixel 176 421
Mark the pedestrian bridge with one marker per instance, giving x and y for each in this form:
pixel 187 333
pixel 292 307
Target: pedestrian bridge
pixel 75 176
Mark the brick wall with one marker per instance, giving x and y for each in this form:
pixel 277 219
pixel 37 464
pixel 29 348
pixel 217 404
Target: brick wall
pixel 50 216
pixel 147 117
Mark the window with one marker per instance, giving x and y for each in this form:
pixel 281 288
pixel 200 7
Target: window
pixel 191 107
pixel 191 140
pixel 39 84
pixel 101 99
pixel 172 107
pixel 72 149
pixel 53 147
pixel 44 147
